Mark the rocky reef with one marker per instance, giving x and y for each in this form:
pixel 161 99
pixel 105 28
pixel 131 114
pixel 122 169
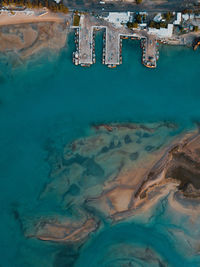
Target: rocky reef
pixel 26 40
pixel 117 172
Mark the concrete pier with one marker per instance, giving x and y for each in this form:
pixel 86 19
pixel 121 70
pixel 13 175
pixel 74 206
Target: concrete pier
pixel 112 48
pixel 112 43
pixel 84 54
pixel 150 51
pixel 85 43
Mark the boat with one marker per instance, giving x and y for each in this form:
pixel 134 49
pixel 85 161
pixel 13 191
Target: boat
pixel 112 66
pixel 85 65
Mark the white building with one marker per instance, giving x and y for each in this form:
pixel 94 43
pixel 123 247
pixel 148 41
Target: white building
pixel 142 25
pixel 185 16
pixel 162 32
pixel 192 16
pixel 158 17
pixel 118 18
pixel 178 19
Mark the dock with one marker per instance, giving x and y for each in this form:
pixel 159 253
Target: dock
pixel 150 53
pixel 112 48
pixel 84 39
pixel 112 44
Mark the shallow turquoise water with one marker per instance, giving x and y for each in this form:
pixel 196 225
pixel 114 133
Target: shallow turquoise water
pixel 54 100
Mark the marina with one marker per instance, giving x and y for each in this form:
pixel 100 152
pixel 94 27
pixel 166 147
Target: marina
pixel 150 53
pixel 173 28
pixel 112 43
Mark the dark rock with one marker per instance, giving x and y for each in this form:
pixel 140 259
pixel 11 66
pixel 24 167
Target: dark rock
pixel 74 190
pixel 146 135
pixel 139 134
pixel 149 148
pixel 134 156
pixel 92 168
pixel 127 139
pixel 66 257
pixel 104 149
pixel 112 145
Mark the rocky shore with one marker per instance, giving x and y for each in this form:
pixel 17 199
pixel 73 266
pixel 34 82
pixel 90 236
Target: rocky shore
pixel 119 171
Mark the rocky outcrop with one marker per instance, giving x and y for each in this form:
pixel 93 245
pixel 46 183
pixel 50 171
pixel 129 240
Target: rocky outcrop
pixel 118 171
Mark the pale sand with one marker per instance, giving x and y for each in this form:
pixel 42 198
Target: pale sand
pixel 28 33
pixel 21 18
pixel 60 233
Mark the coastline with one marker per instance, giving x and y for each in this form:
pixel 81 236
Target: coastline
pixel 48 107
pixel 120 196
pixel 30 41
pixel 132 194
pixel 19 33
pixel 37 15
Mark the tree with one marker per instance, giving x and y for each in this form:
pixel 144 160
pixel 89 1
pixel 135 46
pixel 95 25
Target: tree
pixel 168 16
pixel 129 25
pixel 138 18
pixel 135 25
pixel 138 1
pixel 152 24
pixel 189 11
pixel 163 24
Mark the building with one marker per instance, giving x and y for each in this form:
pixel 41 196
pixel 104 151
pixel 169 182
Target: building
pixel 178 19
pixel 158 17
pixel 118 18
pixel 185 17
pixel 162 32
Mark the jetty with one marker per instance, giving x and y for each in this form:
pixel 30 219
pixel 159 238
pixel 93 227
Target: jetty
pixel 84 39
pixel 150 53
pixel 112 43
pixel 112 48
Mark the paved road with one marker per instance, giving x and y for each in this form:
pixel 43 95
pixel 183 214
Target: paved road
pixel 95 6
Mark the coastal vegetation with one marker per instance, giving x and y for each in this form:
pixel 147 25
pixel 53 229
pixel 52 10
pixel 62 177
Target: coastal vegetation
pixel 76 20
pixel 19 4
pixel 157 25
pixel 140 18
pixel 131 25
pixel 168 16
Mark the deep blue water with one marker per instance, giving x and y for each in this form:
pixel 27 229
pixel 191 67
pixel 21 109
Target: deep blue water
pixel 54 100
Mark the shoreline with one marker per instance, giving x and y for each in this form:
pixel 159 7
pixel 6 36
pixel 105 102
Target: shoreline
pixel 128 189
pixel 27 40
pixel 38 15
pixel 84 54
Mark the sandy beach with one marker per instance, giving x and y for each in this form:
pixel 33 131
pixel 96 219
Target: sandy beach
pixel 27 32
pixel 21 17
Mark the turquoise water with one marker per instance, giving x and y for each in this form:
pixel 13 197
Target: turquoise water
pixel 54 101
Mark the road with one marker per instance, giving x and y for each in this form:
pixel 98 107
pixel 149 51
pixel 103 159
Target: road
pixel 150 6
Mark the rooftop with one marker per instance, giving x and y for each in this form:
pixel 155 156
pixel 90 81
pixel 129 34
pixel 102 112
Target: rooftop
pixel 162 32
